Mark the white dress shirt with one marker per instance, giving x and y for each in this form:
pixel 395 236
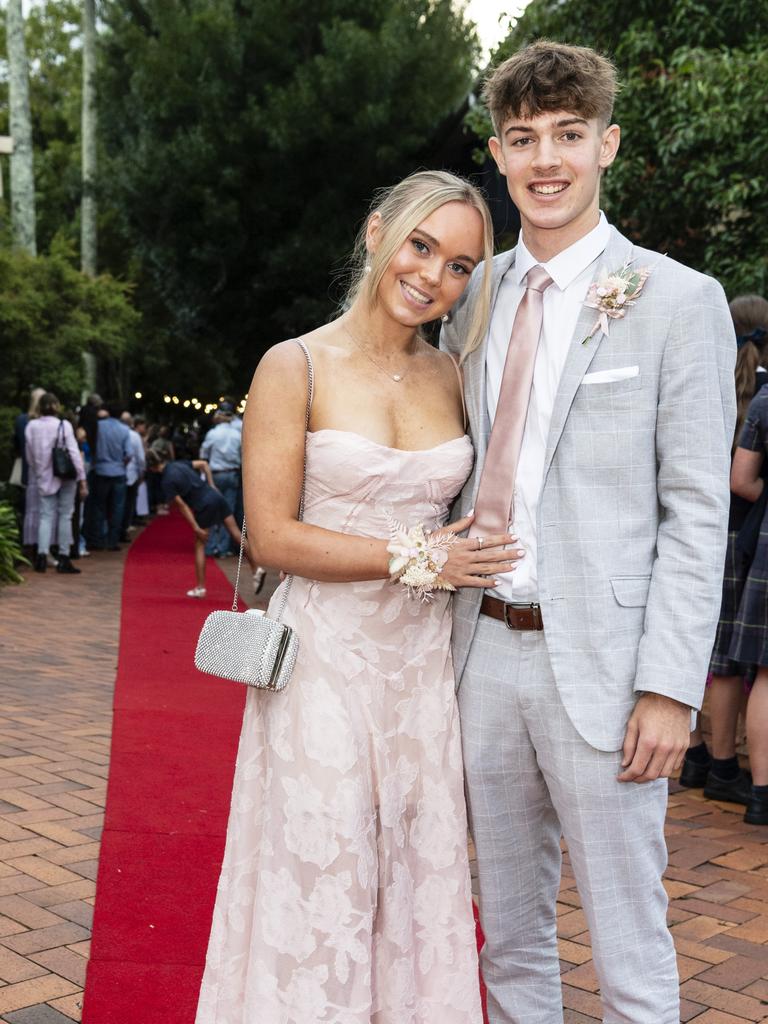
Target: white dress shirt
pixel 137 465
pixel 572 271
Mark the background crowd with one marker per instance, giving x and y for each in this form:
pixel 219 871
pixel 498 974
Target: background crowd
pixel 105 490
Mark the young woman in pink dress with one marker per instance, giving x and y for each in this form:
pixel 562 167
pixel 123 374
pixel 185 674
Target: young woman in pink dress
pixel 344 896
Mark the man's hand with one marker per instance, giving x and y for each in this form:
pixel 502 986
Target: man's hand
pixel 657 738
pixel 201 534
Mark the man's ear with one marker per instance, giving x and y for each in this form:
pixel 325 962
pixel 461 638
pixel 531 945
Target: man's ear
pixel 609 146
pixel 497 152
pixel 372 232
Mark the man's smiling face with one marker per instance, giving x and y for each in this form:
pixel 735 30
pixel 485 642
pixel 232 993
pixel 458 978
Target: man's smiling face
pixel 553 163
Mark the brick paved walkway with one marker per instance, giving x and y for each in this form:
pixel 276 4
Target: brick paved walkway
pixel 717 881
pixel 58 648
pixel 58 652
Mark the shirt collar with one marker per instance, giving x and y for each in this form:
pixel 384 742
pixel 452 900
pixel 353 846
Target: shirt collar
pixel 568 264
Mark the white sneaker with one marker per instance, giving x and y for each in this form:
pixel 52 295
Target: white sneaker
pixel 196 592
pixel 52 562
pixel 258 580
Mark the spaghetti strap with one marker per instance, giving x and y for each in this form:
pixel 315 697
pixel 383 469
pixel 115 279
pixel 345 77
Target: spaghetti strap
pixel 461 389
pixel 310 376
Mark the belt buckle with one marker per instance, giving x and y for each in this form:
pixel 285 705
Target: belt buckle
pixel 535 610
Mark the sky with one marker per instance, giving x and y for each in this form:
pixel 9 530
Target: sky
pixel 493 19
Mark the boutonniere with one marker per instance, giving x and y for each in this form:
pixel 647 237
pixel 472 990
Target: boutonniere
pixel 611 295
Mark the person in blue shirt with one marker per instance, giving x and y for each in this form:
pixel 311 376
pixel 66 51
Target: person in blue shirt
pixel 203 506
pixel 113 452
pixel 222 449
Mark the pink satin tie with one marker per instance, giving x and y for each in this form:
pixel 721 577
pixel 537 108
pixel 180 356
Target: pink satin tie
pixel 494 503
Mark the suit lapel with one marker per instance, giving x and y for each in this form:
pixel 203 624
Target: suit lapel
pixel 618 250
pixel 477 405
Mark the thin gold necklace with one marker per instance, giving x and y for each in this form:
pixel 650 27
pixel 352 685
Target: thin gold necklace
pixel 396 377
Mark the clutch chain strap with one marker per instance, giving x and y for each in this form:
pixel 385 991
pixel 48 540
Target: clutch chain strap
pixel 289 579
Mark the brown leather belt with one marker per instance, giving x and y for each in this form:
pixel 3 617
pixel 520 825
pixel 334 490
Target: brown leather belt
pixel 514 616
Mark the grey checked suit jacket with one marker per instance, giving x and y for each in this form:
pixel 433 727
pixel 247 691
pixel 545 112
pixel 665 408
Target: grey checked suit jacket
pixel 632 521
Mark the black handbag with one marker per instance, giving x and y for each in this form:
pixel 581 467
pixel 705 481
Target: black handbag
pixel 63 466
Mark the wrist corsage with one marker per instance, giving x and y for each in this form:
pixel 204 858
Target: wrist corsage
pixel 418 559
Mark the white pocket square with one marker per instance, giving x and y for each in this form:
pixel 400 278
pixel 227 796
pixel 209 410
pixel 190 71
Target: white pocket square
pixel 608 376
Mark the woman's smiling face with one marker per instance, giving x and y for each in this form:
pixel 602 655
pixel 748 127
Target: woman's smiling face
pixel 433 265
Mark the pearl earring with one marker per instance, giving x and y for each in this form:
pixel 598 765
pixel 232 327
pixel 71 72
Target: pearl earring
pixel 367 268
pixel 446 318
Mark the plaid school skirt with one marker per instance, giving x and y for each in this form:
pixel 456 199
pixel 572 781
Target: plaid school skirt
pixel 724 662
pixel 749 639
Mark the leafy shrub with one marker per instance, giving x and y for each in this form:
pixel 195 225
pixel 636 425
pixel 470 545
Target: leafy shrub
pixel 8 416
pixel 50 315
pixel 10 546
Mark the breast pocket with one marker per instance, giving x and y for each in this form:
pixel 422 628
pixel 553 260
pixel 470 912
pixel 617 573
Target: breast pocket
pixel 614 389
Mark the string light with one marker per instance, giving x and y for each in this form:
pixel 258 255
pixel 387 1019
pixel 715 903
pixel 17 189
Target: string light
pixel 197 405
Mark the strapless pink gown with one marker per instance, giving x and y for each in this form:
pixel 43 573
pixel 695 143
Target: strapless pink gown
pixel 344 895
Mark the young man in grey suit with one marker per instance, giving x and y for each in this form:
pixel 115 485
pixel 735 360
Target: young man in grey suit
pixel 607 447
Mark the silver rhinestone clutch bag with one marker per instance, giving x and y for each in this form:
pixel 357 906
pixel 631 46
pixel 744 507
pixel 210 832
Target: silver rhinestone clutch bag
pixel 250 647
pixel 247 647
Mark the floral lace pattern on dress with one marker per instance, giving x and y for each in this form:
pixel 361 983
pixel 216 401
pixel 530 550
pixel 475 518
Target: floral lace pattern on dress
pixel 344 895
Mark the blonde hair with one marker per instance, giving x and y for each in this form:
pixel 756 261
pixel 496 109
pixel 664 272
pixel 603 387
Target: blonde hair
pixel 34 402
pixel 402 208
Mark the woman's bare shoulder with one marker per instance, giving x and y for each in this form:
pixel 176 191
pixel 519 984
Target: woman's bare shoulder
pixel 445 364
pixel 288 355
pixel 285 355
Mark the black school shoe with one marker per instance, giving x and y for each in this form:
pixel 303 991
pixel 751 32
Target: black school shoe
pixel 735 791
pixel 694 774
pixel 65 566
pixel 757 811
pixel 41 563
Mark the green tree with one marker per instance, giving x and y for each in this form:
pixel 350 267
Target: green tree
pixel 690 176
pixel 54 40
pixel 245 138
pixel 50 314
pixel 52 32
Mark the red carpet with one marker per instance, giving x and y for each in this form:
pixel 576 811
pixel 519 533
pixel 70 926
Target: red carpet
pixel 174 743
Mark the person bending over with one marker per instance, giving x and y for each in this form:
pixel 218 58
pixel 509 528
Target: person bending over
pixel 203 506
